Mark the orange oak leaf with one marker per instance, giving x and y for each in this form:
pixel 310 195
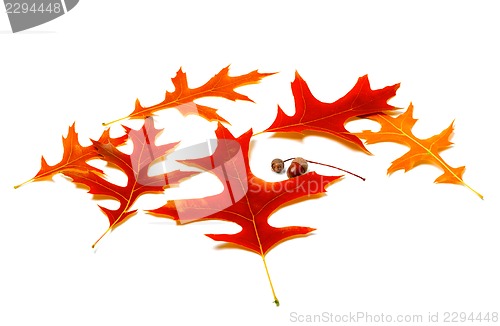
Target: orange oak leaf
pixel 314 115
pixel 220 85
pixel 246 199
pixel 399 130
pixel 135 166
pixel 75 156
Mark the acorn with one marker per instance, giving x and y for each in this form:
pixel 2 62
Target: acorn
pixel 298 167
pixel 277 165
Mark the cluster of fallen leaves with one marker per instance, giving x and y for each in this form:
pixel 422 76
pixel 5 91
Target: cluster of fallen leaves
pixel 246 199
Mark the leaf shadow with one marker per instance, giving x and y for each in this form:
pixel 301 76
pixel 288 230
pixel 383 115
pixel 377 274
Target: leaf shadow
pixel 291 238
pixel 251 146
pixel 302 199
pixel 299 137
pixel 229 245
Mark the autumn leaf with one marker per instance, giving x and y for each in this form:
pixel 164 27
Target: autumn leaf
pixel 314 115
pixel 246 199
pixel 135 166
pixel 75 156
pixel 221 85
pixel 399 130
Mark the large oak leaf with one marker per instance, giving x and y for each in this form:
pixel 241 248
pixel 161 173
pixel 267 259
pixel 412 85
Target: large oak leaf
pixel 135 166
pixel 246 200
pixel 75 156
pixel 330 118
pixel 221 85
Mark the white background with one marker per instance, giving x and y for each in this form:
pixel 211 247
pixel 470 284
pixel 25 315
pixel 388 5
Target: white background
pixel 392 245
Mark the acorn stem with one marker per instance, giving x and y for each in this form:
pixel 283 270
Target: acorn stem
pixel 330 166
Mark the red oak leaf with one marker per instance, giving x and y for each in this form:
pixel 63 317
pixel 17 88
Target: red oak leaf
pixel 135 166
pixel 314 115
pixel 220 85
pixel 246 199
pixel 75 156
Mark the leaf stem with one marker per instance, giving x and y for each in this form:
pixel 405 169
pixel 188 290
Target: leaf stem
pixel 102 236
pixel 25 182
pixel 474 191
pixel 276 301
pixel 105 124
